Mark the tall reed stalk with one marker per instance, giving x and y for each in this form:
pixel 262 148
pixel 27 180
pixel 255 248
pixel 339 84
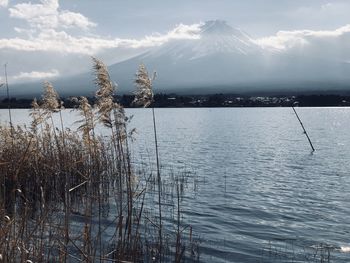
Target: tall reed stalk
pixel 144 97
pixel 112 116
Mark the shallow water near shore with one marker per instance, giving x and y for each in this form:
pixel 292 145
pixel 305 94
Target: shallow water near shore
pixel 254 191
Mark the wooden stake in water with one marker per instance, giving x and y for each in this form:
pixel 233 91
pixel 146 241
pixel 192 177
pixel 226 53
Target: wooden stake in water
pixel 302 126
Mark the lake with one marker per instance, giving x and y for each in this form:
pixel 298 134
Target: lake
pixel 254 191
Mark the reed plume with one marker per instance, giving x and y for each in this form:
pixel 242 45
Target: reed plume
pixel 104 93
pixel 50 99
pixel 144 83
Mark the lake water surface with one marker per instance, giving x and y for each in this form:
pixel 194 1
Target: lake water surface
pixel 255 192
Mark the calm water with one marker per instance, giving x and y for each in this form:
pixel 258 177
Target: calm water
pixel 256 193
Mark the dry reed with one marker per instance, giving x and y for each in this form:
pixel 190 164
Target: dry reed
pixel 73 195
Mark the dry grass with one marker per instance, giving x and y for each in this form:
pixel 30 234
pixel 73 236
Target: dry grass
pixel 72 195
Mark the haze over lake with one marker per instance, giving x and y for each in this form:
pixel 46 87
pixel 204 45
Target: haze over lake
pixel 254 193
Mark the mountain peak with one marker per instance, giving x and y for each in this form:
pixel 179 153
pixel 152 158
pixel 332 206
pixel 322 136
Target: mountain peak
pixel 216 38
pixel 219 27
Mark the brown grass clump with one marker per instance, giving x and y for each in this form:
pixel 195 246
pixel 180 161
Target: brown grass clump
pixel 72 195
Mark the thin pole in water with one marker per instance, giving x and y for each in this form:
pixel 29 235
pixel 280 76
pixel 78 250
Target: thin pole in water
pixel 302 126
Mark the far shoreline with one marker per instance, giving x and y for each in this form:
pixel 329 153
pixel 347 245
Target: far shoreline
pixel 207 101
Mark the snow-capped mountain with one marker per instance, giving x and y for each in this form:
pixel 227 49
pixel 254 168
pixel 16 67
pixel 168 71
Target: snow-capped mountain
pixel 214 37
pixel 219 56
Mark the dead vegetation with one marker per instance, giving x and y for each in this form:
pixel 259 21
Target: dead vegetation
pixel 74 196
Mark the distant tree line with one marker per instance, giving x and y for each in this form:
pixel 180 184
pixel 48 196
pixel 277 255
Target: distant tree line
pixel 212 100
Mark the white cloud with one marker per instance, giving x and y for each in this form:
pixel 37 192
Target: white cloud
pixel 36 75
pixel 43 15
pixel 282 40
pixel 4 3
pixel 47 15
pixel 71 19
pixel 285 40
pixel 62 42
pixel 179 32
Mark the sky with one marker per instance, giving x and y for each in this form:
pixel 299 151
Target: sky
pixel 43 39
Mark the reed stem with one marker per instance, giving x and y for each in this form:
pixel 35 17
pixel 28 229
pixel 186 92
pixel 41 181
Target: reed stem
pixel 159 185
